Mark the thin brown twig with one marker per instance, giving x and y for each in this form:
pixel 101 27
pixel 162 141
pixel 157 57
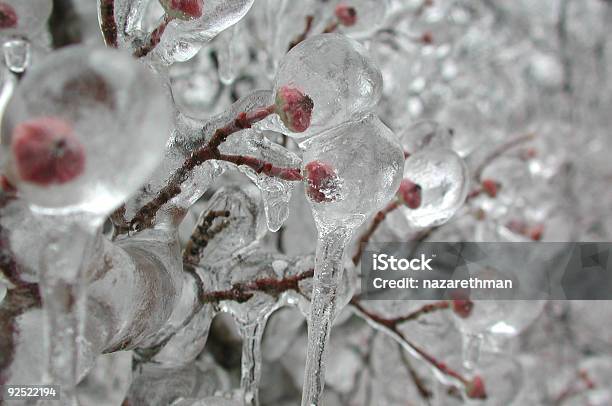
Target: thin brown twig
pixel 242 292
pixel 304 34
pixel 202 234
pixel 376 222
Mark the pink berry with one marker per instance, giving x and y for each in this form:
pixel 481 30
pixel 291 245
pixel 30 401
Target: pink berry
pixel 47 152
pixel 8 16
pixel 183 9
pixel 463 307
pixel 294 108
pixel 322 181
pixel 490 187
pixel 346 15
pixel 409 193
pixel 475 389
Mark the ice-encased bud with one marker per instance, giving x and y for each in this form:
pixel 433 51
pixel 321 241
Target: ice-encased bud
pixel 337 74
pixel 8 16
pixel 322 181
pixel 443 178
pixel 409 193
pixel 366 160
pixel 183 37
pixel 294 108
pixel 183 9
pixel 46 151
pixel 361 18
pixel 346 14
pixel 24 17
pixel 84 129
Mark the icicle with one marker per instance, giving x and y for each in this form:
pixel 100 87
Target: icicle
pixel 64 295
pixel 227 55
pixel 251 360
pixel 328 271
pixel 472 344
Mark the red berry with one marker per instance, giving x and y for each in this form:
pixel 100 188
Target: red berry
pixel 409 193
pixel 47 152
pixel 294 108
pixel 183 9
pixel 346 15
pixel 8 16
pixel 490 187
pixel 322 181
pixel 475 389
pixel 463 307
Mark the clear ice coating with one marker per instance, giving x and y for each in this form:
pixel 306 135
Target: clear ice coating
pixel 182 38
pixel 99 111
pixel 350 172
pixel 339 77
pixel 444 181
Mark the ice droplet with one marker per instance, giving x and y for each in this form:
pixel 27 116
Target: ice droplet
pixel 17 55
pixel 444 181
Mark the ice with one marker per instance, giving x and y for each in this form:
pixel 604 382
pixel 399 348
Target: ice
pixel 117 114
pixel 444 181
pixel 339 77
pixel 276 192
pixel 358 170
pixel 367 160
pixel 425 134
pixel 226 54
pixel 16 55
pixel 182 38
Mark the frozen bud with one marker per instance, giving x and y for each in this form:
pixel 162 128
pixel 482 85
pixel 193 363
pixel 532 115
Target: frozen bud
pixel 536 232
pixel 346 15
pixel 409 193
pixel 490 187
pixel 463 307
pixel 183 9
pixel 294 108
pixel 475 389
pixel 322 182
pixel 8 16
pixel 47 152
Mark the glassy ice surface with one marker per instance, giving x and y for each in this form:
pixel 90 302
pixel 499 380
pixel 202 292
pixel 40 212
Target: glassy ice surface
pixel 116 113
pixel 444 181
pixel 337 74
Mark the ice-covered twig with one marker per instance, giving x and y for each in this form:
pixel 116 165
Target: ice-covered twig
pixel 153 38
pixel 378 219
pixel 108 25
pixel 497 152
pixel 146 214
pixel 203 233
pixel 242 292
pixel 344 15
pixel 575 387
pixel 474 387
